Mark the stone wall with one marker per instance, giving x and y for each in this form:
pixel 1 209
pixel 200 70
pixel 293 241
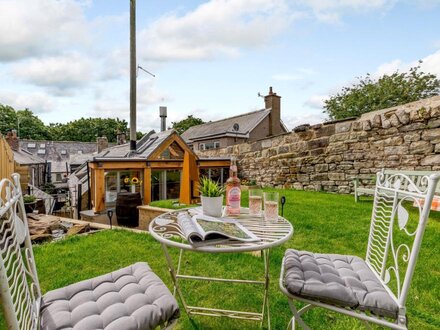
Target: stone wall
pixel 328 156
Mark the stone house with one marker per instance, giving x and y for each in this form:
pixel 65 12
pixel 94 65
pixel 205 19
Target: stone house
pixel 31 168
pixel 63 157
pixel 247 127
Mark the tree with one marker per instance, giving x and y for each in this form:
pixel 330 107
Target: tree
pixel 31 127
pixel 28 125
pixel 88 129
pixel 369 94
pixel 184 124
pixel 8 119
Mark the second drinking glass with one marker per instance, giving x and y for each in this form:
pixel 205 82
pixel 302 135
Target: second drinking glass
pixel 255 202
pixel 271 206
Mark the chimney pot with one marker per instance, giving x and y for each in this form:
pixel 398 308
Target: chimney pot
pixel 163 118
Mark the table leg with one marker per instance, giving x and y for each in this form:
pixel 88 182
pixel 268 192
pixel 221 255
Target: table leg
pixel 174 277
pixel 266 288
pixel 178 269
pixel 193 310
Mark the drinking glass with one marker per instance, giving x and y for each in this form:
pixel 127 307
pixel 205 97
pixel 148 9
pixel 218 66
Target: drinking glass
pixel 255 202
pixel 271 206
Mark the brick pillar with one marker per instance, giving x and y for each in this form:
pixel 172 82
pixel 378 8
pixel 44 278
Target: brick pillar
pixel 12 139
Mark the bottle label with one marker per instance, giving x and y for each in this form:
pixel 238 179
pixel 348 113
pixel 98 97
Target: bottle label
pixel 234 198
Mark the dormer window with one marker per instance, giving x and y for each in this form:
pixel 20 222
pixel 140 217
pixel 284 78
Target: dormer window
pixel 31 145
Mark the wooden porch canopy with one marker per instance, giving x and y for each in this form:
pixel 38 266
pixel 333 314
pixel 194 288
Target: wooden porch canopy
pixel 161 151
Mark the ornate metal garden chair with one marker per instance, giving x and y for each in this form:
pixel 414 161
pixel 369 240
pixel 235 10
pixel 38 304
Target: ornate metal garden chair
pixel 130 298
pixel 375 289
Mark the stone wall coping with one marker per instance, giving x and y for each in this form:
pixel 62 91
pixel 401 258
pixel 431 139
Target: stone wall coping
pixel 262 139
pixel 428 102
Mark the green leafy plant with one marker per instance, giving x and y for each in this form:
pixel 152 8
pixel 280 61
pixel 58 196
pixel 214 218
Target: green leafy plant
pixel 29 199
pixel 210 188
pixel 370 94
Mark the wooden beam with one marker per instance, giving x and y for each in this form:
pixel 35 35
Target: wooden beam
pixel 214 163
pixel 99 191
pixel 185 182
pixel 167 165
pixel 147 186
pixel 168 141
pixel 115 165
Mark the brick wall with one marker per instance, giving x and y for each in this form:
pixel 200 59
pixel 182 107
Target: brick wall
pixel 328 156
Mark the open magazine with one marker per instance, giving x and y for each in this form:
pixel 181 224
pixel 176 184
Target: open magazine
pixel 202 230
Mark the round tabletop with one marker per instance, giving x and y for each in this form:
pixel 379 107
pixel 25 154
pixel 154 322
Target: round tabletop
pixel 166 230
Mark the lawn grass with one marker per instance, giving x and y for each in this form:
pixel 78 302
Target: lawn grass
pixel 169 204
pixel 322 223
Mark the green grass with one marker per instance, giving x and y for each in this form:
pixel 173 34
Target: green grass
pixel 322 222
pixel 169 204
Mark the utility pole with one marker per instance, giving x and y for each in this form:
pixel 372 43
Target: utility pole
pixel 133 68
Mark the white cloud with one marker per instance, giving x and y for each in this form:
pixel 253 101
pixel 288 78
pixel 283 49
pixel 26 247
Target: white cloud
pixel 148 95
pixel 215 28
pixel 60 74
pixel 29 28
pixel 331 11
pixel 36 102
pixel 311 118
pixel 431 64
pixel 316 101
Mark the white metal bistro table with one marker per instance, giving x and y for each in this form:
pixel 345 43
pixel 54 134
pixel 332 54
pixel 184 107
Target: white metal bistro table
pixel 165 229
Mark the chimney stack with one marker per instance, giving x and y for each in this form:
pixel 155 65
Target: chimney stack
pixel 120 138
pixel 101 143
pixel 273 102
pixel 12 139
pixel 163 118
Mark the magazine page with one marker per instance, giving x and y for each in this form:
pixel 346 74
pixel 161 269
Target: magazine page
pixel 188 227
pixel 223 228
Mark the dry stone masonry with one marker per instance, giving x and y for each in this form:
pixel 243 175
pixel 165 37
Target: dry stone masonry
pixel 329 156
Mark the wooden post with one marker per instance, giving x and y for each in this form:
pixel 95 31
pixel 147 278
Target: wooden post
pixel 185 183
pixel 147 185
pixel 99 192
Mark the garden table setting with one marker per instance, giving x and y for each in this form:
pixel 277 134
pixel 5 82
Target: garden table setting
pixel 171 232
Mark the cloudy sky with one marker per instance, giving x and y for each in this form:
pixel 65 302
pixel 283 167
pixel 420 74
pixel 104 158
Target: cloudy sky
pixel 66 59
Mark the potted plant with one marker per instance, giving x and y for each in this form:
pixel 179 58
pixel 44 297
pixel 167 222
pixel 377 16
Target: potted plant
pixel 30 202
pixel 212 197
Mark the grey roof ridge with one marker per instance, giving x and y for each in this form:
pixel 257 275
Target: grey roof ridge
pixel 214 135
pixel 228 118
pixel 56 141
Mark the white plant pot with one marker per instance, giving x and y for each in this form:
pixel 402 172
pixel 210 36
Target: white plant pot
pixel 212 206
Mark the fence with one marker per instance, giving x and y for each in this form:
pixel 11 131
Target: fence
pixel 6 159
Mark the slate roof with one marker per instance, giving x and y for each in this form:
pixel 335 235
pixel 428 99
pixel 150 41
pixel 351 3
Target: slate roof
pixel 24 157
pixel 58 150
pixel 145 147
pixel 247 122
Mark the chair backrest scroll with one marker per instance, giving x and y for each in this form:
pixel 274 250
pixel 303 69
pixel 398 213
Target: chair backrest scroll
pixel 19 288
pixel 400 213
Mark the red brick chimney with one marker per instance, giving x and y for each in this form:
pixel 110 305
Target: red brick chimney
pixel 273 102
pixel 12 139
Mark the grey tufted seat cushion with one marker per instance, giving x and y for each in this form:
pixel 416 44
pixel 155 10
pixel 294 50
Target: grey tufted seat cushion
pixel 336 279
pixel 130 298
